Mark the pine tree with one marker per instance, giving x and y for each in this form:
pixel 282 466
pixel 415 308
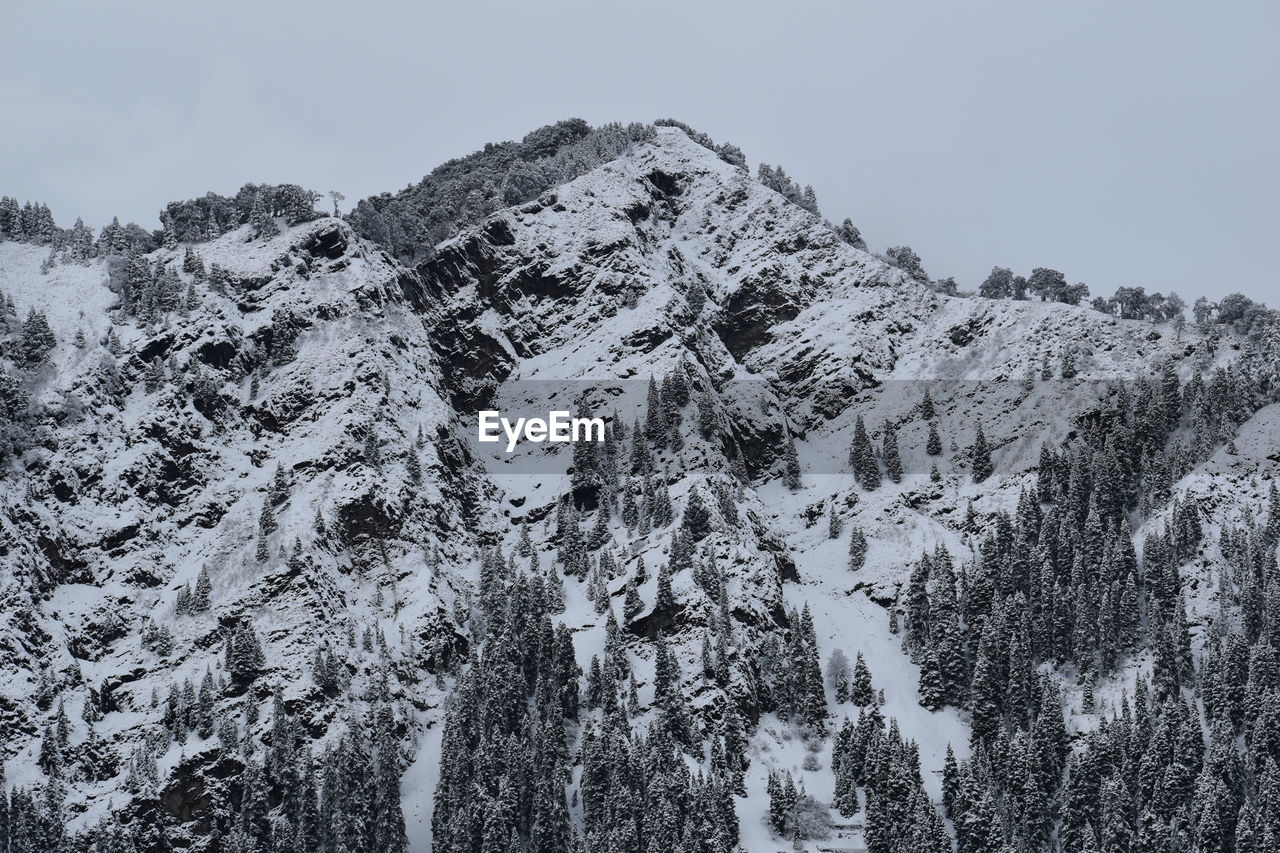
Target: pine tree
pixel 863 692
pixel 892 462
pixel 791 466
pixel 857 548
pixel 1067 369
pixel 664 600
pixel 835 525
pixel 244 658
pixel 153 378
pixel 985 695
pixel 697 518
pixel 572 551
pixel 261 217
pixel 934 445
pixel 838 675
pixel 631 603
pixel 932 689
pixel 927 410
pixel 657 428
pixel 630 512
pixel 707 422
pixel 660 512
pixel 599 535
pixel 388 819
pixel 278 491
pixel 811 697
pixel 36 341
pixel 980 456
pixel 862 458
pixel 267 520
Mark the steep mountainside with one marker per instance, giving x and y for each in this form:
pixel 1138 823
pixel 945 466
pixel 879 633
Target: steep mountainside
pixel 265 591
pixel 307 366
pixel 672 257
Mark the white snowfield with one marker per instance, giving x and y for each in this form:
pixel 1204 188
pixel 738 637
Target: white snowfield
pixel 126 502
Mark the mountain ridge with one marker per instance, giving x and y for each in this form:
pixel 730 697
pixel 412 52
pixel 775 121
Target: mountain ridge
pixel 315 353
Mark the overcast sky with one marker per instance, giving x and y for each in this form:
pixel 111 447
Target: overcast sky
pixel 1123 143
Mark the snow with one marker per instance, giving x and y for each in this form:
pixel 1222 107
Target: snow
pixel 347 375
pixel 800 333
pixel 856 336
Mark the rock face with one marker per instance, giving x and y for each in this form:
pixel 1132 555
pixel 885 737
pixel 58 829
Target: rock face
pixel 311 365
pixel 308 446
pixel 600 279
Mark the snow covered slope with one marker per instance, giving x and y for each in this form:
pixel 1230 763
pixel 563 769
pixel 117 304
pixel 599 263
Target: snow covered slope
pixel 131 493
pixel 300 433
pixel 670 256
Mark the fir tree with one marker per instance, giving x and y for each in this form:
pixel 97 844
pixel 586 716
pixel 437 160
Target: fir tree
pixel 862 693
pixel 657 428
pixel 892 462
pixel 862 458
pixel 36 341
pixel 927 410
pixel 934 444
pixel 980 456
pixel 791 466
pixel 838 675
pixel 697 518
pixel 664 600
pixel 857 548
pixel 835 525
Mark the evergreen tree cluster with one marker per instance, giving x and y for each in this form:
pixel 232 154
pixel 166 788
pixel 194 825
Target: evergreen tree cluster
pixel 32 818
pixel 899 816
pixel 34 224
pixel 1134 303
pixel 463 191
pixel 862 458
pixel 1235 311
pixel 279 795
pixel 638 794
pixel 865 459
pixel 347 798
pixel 906 259
pixel 776 179
pixel 27 344
pixel 26 223
pixel 1047 284
pixel 1238 313
pixel 190 601
pixel 849 233
pixel 190 709
pixel 243 652
pixel 1060 582
pixel 1155 775
pixel 258 205
pixel 1005 797
pixel 150 291
pixel 505 758
pixel 513 714
pixel 790 674
pixel 793 812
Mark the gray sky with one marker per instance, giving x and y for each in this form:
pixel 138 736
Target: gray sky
pixel 1127 143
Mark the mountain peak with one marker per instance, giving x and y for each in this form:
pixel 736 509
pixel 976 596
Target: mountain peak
pixel 250 539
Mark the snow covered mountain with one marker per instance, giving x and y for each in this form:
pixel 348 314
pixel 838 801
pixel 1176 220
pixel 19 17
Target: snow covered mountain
pixel 265 591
